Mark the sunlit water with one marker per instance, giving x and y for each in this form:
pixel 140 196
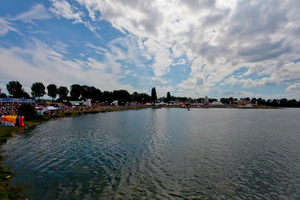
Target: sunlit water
pixel 160 154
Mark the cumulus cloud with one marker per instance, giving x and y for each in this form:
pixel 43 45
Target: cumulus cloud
pixel 215 37
pixel 219 34
pixel 245 83
pixel 293 88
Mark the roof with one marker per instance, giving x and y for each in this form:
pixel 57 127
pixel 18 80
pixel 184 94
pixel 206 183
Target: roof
pixel 78 103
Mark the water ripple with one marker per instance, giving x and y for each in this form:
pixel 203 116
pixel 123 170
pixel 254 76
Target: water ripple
pixel 160 154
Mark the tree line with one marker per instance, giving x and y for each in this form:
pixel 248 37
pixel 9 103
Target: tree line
pixel 270 102
pixel 77 92
pixel 81 92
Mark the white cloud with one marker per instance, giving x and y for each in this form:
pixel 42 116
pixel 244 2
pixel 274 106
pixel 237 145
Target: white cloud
pixel 5 27
pixel 245 83
pixel 217 37
pixel 41 62
pixel 37 12
pixel 221 36
pixel 294 88
pixel 162 90
pixel 158 81
pixel 181 62
pixel 64 9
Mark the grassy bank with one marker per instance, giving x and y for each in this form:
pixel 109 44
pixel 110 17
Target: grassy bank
pixel 7 191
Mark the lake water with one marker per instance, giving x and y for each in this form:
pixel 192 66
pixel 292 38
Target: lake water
pixel 160 154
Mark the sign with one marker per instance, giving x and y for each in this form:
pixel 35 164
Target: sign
pixel 15 100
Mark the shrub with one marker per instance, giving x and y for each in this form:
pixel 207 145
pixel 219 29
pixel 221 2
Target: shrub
pixel 28 111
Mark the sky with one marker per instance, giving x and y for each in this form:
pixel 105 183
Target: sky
pixel 214 48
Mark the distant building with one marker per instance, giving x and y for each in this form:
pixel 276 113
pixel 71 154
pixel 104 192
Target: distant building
pixel 243 103
pixel 206 100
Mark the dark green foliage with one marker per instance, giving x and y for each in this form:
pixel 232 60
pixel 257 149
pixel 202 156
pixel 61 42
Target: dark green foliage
pixel 85 92
pixel 107 96
pixel 212 100
pixel 25 95
pixel 52 91
pixel 253 100
pixel 168 97
pixel 97 95
pixel 90 92
pixel 2 95
pixel 63 92
pixel 75 91
pixel 229 100
pixel 38 89
pixel 28 111
pixel 15 89
pixel 122 96
pixel 153 95
pixel 141 97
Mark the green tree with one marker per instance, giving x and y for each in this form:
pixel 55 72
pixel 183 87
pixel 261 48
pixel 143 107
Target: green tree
pixel 15 89
pixel 52 91
pixel 283 102
pixel 168 97
pixel 63 92
pixel 275 103
pixel 75 91
pixel 122 96
pixel 135 96
pixel 96 94
pixel 38 89
pixel 141 97
pixel 88 92
pixel 107 96
pixel 28 111
pixel 225 100
pixel 153 96
pixel 292 103
pixel 210 100
pixel 85 92
pixel 25 95
pixel 2 95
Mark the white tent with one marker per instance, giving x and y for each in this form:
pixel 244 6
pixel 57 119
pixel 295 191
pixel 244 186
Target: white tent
pixel 50 108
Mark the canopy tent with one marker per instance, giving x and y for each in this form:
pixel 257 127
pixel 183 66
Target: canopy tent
pixel 78 103
pixel 50 108
pixel 183 105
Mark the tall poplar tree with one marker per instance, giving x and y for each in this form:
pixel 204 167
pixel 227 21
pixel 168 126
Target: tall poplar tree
pixel 153 96
pixel 168 97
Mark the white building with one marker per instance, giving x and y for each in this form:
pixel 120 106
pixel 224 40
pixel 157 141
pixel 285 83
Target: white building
pixel 206 100
pixel 217 103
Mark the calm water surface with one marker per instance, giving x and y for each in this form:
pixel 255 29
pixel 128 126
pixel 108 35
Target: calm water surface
pixel 160 154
